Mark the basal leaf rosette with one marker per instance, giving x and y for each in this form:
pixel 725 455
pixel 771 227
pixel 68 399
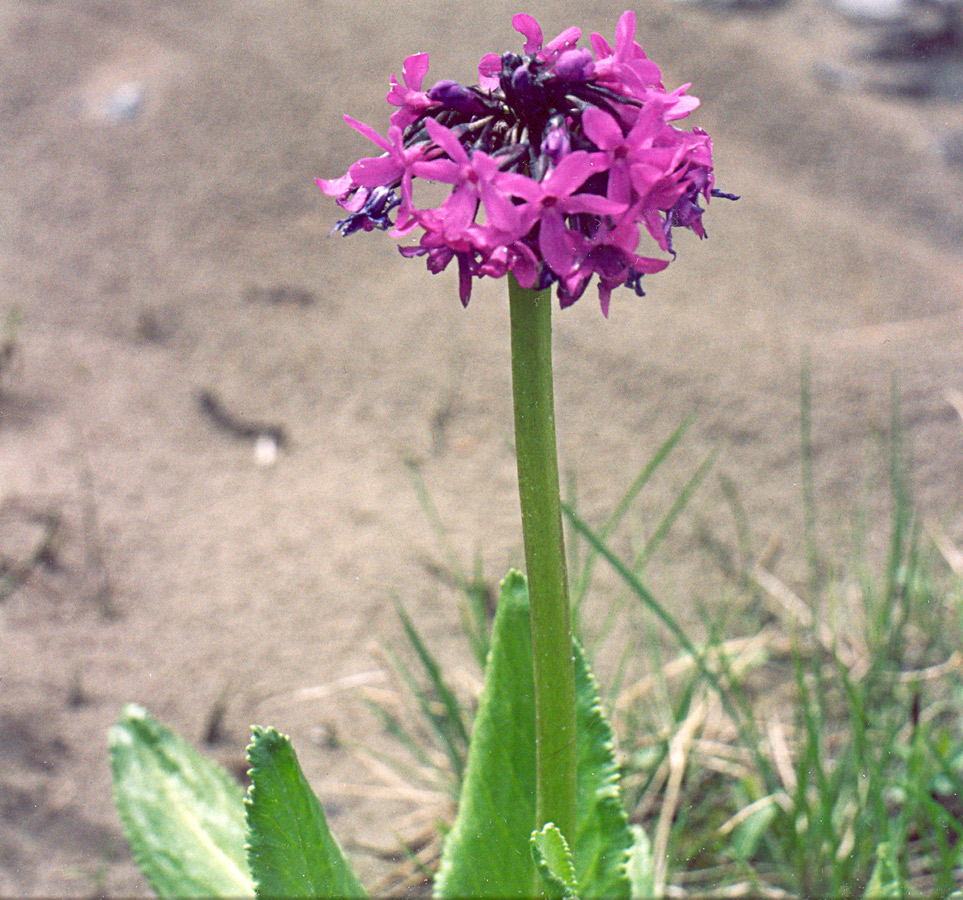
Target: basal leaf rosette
pixel 559 160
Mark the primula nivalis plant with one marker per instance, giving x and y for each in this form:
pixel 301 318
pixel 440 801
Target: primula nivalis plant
pixel 557 159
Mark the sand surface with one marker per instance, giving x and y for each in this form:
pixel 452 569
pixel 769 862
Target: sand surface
pixel 161 235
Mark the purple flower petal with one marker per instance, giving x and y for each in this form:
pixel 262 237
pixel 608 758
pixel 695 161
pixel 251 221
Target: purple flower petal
pixel 572 172
pixel 415 69
pixel 443 170
pixel 574 65
pixel 335 187
pixel 601 128
pixel 593 204
pixel 565 41
pixel 600 46
pixel 625 34
pixel 530 30
pixel 521 186
pixel 555 243
pixel 369 133
pixel 375 171
pixel 446 139
pixel 489 69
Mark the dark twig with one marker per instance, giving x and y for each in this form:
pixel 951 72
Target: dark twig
pixel 236 426
pixel 14 572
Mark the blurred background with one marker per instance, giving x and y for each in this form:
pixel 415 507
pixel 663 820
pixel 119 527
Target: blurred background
pixel 216 419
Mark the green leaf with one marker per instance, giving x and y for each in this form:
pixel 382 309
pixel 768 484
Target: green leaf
pixel 603 839
pixel 183 815
pixel 885 883
pixel 487 850
pixel 641 865
pixel 752 830
pixel 290 850
pixel 487 853
pixel 553 860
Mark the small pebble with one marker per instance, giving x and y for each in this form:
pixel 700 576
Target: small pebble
pixel 265 451
pixel 124 103
pixel 867 11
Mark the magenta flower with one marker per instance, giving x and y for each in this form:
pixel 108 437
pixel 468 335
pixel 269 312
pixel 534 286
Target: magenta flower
pixel 559 160
pixel 414 102
pixel 554 198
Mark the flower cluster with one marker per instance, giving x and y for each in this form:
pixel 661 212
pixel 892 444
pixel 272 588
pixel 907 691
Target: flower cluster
pixel 556 159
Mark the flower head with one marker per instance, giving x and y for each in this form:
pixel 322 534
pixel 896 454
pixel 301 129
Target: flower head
pixel 559 160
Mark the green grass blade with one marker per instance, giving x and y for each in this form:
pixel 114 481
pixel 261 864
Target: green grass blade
pixel 434 519
pixel 649 601
pixel 678 505
pixel 886 883
pixel 808 488
pixel 450 725
pixel 585 578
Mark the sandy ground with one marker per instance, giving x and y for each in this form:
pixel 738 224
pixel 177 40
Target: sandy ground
pixel 161 235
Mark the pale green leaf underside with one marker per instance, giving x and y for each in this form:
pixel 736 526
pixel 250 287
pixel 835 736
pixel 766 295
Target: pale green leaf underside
pixel 641 865
pixel 183 815
pixel 290 850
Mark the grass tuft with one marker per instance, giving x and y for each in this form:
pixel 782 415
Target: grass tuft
pixel 810 746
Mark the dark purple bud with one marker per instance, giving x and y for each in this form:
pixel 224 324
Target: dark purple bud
pixel 556 142
pixel 375 213
pixel 453 95
pixel 634 281
pixel 522 81
pixel 510 62
pixel 687 214
pixel 574 65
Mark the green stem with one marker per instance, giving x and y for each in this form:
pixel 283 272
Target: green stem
pixel 531 326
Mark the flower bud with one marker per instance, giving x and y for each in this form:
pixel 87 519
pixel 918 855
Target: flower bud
pixel 574 65
pixel 453 95
pixel 556 142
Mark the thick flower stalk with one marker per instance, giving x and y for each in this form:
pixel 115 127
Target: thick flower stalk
pixel 559 160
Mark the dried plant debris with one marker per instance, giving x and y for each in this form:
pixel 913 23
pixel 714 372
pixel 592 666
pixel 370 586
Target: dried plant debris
pixel 236 425
pixel 29 541
pixel 9 344
pixel 280 295
pixel 150 327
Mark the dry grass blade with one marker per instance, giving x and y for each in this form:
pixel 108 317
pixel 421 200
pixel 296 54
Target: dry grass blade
pixel 329 688
pixel 954 662
pixel 742 653
pixel 746 889
pixel 746 812
pixel 421 853
pixel 395 785
pixel 948 550
pixel 781 755
pixel 679 748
